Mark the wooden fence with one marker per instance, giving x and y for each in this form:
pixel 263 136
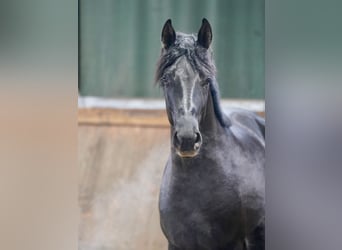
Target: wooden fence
pixel 123 146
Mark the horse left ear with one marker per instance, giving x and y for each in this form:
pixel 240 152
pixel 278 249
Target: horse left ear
pixel 205 35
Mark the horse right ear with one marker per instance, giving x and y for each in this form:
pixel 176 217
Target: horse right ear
pixel 205 34
pixel 168 36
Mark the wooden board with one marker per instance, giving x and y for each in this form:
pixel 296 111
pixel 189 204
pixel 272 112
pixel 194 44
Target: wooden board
pixel 120 173
pixel 138 112
pixel 122 117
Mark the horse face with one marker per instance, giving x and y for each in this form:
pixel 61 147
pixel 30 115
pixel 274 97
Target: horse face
pixel 185 88
pixel 186 94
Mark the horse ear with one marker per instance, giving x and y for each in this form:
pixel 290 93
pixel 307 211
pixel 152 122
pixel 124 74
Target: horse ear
pixel 168 35
pixel 205 35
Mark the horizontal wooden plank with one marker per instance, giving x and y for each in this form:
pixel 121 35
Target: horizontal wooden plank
pixel 117 117
pixel 139 112
pixel 122 117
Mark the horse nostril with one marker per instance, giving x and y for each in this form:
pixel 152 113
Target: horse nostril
pixel 176 139
pixel 198 138
pixel 198 141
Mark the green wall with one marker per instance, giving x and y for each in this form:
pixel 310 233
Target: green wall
pixel 120 44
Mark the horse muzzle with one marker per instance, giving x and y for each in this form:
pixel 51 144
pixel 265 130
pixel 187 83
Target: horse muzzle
pixel 187 144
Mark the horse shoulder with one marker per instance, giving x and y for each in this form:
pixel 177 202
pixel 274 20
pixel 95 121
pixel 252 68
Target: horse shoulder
pixel 249 131
pixel 246 124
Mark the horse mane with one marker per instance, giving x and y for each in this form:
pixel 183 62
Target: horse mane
pixel 220 115
pixel 200 59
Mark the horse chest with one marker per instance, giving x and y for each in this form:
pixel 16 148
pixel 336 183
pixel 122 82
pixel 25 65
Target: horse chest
pixel 199 210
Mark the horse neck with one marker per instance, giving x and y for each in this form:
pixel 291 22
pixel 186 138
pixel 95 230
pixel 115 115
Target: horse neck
pixel 210 124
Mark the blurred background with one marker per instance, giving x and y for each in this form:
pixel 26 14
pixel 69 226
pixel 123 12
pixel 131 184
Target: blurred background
pixel 121 149
pixel 123 133
pixel 120 44
pixel 123 140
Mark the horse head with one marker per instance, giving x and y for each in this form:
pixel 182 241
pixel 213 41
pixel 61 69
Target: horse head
pixel 185 72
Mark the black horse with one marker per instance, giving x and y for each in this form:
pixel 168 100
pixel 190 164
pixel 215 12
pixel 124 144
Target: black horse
pixel 213 189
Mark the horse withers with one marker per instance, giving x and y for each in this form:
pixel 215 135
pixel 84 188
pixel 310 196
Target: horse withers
pixel 212 194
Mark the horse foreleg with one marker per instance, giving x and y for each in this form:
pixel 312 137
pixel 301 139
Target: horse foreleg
pixel 258 238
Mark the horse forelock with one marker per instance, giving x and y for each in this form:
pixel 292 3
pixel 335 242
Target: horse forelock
pixel 186 45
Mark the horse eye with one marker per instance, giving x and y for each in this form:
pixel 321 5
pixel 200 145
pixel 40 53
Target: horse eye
pixel 206 83
pixel 164 81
